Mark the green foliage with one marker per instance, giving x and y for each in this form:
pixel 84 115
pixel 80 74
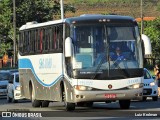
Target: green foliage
pixel 26 11
pixel 152 29
pixel 98 1
pixel 4 48
pixel 158 6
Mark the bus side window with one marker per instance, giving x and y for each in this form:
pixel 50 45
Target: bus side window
pixel 41 41
pixel 36 39
pixel 32 43
pixel 21 42
pixel 55 38
pixel 26 42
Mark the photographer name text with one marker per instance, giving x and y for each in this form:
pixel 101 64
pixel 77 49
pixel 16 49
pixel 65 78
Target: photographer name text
pixel 146 114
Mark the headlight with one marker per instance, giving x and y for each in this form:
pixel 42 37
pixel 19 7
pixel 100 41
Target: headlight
pixel 135 86
pixel 152 84
pixel 17 88
pixel 81 87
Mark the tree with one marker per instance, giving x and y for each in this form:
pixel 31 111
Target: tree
pixel 5 26
pixel 158 7
pixel 152 29
pixel 26 11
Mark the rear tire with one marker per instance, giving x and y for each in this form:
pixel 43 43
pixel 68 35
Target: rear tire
pixel 124 104
pixel 155 98
pixel 35 103
pixel 45 103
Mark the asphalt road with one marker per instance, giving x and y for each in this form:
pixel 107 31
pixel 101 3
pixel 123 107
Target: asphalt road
pixel 100 111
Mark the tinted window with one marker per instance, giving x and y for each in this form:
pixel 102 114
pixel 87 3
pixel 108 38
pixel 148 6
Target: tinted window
pixel 17 78
pixel 4 76
pixel 11 78
pixel 146 75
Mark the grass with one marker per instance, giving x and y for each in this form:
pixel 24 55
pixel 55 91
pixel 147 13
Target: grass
pixel 121 7
pixel 95 1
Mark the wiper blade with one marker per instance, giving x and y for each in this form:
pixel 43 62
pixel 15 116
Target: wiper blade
pixel 116 64
pixel 98 67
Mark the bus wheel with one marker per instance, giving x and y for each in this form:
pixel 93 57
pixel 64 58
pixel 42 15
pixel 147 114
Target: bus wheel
pixel 35 103
pixel 69 106
pixel 45 103
pixel 124 104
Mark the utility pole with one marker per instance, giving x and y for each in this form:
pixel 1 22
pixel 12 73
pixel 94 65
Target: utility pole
pixel 62 10
pixel 141 17
pixel 14 34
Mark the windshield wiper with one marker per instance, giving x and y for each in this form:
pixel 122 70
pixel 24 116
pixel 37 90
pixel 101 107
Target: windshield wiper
pixel 116 64
pixel 98 67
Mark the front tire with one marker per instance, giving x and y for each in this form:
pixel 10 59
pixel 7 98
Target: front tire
pixel 69 106
pixel 124 104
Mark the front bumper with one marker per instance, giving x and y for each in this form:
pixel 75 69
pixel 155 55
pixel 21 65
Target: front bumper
pixel 3 92
pixel 100 96
pixel 150 91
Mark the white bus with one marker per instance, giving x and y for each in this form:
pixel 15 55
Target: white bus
pixel 71 60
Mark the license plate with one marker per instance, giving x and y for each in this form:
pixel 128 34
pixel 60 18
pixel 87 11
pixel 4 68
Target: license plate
pixel 110 95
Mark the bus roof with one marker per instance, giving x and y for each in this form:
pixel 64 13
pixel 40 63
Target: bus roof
pixel 85 17
pixel 34 24
pixel 97 17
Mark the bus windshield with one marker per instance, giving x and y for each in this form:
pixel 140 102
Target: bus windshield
pixel 96 47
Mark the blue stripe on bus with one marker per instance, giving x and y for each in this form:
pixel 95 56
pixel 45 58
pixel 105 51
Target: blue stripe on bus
pixel 26 64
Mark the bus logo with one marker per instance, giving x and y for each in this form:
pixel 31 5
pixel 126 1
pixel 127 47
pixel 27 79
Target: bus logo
pixel 110 86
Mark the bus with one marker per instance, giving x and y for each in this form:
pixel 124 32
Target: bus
pixel 70 61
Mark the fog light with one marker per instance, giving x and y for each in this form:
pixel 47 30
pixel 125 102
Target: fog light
pixel 81 96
